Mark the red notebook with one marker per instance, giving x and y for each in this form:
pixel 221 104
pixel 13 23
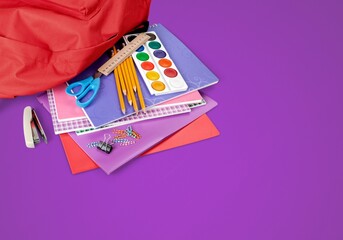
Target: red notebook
pixel 79 161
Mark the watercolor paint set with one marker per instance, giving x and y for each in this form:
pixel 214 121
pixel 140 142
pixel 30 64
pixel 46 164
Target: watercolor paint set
pixel 159 73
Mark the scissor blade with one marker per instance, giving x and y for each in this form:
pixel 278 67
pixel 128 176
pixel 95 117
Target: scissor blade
pixel 97 75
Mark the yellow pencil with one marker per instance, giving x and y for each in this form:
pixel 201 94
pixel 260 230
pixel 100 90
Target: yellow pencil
pixel 133 82
pixel 121 74
pixel 130 89
pixel 139 91
pixel 121 79
pixel 120 94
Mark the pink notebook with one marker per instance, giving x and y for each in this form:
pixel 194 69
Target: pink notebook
pixel 65 105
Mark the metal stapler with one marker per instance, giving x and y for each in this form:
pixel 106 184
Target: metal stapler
pixel 32 128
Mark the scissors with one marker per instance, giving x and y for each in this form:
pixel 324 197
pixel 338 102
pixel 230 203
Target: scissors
pixel 92 83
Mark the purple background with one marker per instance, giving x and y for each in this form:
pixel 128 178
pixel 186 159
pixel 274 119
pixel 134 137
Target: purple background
pixel 275 172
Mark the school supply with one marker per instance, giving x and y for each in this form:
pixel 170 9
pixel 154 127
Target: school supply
pixel 194 105
pixel 123 54
pixel 136 83
pixel 84 87
pixel 66 109
pixel 55 40
pixel 149 114
pixel 126 75
pixel 128 141
pixel 48 101
pixel 200 129
pixel 105 146
pixel 157 69
pixel 33 129
pixel 84 126
pixel 119 83
pixel 127 79
pixel 189 98
pixel 152 132
pixel 195 73
pixel 89 87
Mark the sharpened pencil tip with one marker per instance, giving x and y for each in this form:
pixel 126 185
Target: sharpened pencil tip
pixel 123 110
pixel 130 102
pixel 135 88
pixel 124 92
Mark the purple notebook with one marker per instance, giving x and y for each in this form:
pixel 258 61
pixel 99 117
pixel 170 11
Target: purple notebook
pixel 105 107
pixel 151 132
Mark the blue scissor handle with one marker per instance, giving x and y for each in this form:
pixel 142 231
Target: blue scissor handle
pixel 87 85
pixel 82 83
pixel 94 86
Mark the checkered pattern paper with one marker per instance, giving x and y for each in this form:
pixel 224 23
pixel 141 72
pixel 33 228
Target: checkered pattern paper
pixel 150 114
pixel 84 126
pixel 65 126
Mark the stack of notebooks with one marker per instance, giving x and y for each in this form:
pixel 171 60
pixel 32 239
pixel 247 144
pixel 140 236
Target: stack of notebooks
pixel 170 120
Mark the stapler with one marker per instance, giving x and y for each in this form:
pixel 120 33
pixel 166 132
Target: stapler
pixel 32 128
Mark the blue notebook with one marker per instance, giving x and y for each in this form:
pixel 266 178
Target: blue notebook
pixel 105 108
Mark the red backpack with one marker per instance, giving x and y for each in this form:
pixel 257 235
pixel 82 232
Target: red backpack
pixel 47 42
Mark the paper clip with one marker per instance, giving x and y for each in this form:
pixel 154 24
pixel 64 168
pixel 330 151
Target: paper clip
pixel 119 140
pixel 32 128
pixel 127 143
pixel 130 132
pixel 119 133
pixel 92 144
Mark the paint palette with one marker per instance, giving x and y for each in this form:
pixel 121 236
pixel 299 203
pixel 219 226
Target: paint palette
pixel 156 67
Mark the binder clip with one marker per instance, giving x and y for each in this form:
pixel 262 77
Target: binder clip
pixel 104 145
pixel 32 128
